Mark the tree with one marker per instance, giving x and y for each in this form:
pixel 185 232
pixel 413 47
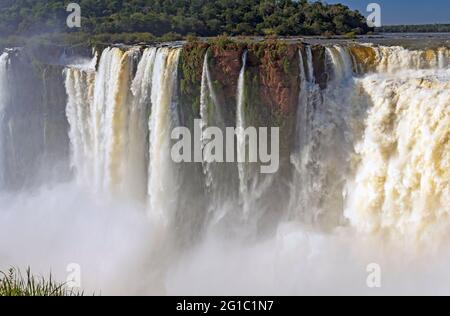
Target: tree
pixel 203 17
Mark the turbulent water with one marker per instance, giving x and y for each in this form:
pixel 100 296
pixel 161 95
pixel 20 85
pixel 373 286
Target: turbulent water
pixel 401 183
pixel 368 178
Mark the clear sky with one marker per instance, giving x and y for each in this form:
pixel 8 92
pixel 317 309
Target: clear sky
pixel 405 11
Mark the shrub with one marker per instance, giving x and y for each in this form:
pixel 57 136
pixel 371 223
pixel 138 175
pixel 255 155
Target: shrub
pixel 13 283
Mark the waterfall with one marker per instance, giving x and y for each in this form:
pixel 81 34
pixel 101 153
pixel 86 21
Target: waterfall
pixel 241 126
pixel 100 124
pixel 107 88
pixel 221 179
pixel 80 91
pixel 395 59
pixel 120 125
pixel 310 65
pixel 163 183
pixel 206 92
pixel 307 179
pixel 210 114
pixel 309 96
pixel 364 161
pixel 301 181
pixel 138 120
pixel 328 123
pixel 3 103
pixel 401 183
pixel 341 61
pixel 442 58
pixel 111 104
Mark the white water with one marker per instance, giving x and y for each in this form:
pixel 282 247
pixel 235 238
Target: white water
pixel 206 92
pixel 371 162
pixel 301 204
pixel 80 90
pixel 324 144
pixel 162 183
pixel 401 185
pixel 96 115
pixel 138 131
pixel 108 137
pixel 393 59
pixel 341 61
pixel 218 177
pixel 309 58
pixel 241 138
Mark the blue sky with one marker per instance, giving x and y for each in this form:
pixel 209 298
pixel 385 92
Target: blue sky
pixel 405 11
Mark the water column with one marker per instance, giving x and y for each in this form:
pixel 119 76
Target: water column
pixel 163 185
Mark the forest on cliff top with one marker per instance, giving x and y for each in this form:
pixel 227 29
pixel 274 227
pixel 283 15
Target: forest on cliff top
pixel 181 17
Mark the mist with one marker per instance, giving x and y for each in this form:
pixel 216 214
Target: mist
pixel 86 175
pixel 113 241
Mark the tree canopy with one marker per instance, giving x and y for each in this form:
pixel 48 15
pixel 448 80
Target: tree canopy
pixel 199 17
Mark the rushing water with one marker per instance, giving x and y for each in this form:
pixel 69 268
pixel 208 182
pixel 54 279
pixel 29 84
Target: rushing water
pixel 163 185
pixel 368 178
pixel 241 126
pixel 220 179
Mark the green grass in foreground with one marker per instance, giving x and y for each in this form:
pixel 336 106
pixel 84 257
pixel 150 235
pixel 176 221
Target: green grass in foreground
pixel 14 283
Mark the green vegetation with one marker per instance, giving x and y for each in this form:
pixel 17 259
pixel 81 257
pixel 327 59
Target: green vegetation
pixel 13 283
pixel 224 43
pixel 191 66
pixel 149 20
pixel 425 28
pixel 272 81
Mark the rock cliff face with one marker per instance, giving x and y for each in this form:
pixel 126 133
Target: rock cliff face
pixel 191 70
pixel 273 88
pixel 272 78
pixel 225 63
pixel 34 115
pixel 319 64
pixel 272 72
pixel 276 67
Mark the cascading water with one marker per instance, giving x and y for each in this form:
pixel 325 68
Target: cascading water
pixel 442 59
pixel 137 137
pixel 394 59
pixel 163 183
pixel 80 85
pixel 341 61
pixel 102 133
pixel 324 139
pixel 241 138
pixel 309 64
pixel 329 124
pixel 301 158
pixel 220 178
pixel 206 96
pixel 401 185
pixel 371 154
pixel 111 96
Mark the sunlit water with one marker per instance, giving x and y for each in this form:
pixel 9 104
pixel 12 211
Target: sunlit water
pixel 370 184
